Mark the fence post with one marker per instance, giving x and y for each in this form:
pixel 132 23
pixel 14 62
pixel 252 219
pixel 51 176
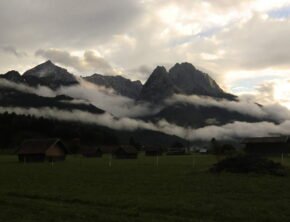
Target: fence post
pixel 282 158
pixel 157 160
pixel 110 161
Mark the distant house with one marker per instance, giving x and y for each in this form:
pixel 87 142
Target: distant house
pixel 203 151
pixel 153 151
pixel 267 145
pixel 125 152
pixel 90 151
pixel 39 150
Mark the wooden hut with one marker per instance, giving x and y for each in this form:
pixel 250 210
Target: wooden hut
pixel 90 151
pixel 153 151
pixel 267 145
pixel 125 152
pixel 39 150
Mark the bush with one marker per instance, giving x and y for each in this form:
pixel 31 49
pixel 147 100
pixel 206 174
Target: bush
pixel 249 164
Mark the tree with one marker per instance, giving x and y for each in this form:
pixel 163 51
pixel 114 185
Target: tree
pixel 177 145
pixel 134 143
pixel 216 148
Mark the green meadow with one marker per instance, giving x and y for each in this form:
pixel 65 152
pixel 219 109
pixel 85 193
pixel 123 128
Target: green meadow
pixel 179 188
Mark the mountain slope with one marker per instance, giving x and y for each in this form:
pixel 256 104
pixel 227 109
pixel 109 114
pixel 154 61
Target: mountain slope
pixel 119 84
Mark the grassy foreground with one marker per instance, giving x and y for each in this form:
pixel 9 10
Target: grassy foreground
pixel 179 189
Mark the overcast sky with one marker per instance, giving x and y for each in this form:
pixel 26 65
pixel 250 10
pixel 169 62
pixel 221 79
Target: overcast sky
pixel 243 44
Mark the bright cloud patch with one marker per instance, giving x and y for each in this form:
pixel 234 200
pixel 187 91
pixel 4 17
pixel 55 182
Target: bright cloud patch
pixel 244 42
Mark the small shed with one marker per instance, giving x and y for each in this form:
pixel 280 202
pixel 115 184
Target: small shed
pixel 153 151
pixel 39 150
pixel 90 151
pixel 203 151
pixel 267 145
pixel 125 152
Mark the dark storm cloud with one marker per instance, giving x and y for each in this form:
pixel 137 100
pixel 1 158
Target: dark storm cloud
pixel 64 21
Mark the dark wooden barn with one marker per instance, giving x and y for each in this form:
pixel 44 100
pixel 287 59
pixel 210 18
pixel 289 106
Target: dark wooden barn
pixel 39 150
pixel 125 152
pixel 267 145
pixel 153 151
pixel 90 151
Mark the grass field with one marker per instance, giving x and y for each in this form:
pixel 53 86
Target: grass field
pixel 179 189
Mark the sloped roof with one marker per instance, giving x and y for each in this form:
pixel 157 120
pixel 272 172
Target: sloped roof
pixel 39 146
pixel 280 139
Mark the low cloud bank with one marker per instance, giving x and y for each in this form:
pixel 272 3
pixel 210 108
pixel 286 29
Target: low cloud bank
pixel 39 90
pixel 102 97
pixel 230 131
pixel 247 107
pixel 105 119
pixel 240 130
pixel 106 99
pixel 123 107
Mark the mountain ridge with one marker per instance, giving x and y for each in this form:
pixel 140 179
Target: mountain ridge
pixel 120 84
pixel 182 78
pixel 161 85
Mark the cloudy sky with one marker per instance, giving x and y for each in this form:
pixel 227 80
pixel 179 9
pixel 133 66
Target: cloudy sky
pixel 243 44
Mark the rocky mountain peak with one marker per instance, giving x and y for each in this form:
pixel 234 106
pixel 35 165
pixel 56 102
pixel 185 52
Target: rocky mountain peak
pixel 48 62
pixel 193 81
pixel 185 66
pixel 158 87
pixel 160 70
pixel 44 70
pixel 159 73
pixel 50 75
pixel 182 78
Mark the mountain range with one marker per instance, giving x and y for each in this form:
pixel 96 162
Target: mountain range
pixel 182 79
